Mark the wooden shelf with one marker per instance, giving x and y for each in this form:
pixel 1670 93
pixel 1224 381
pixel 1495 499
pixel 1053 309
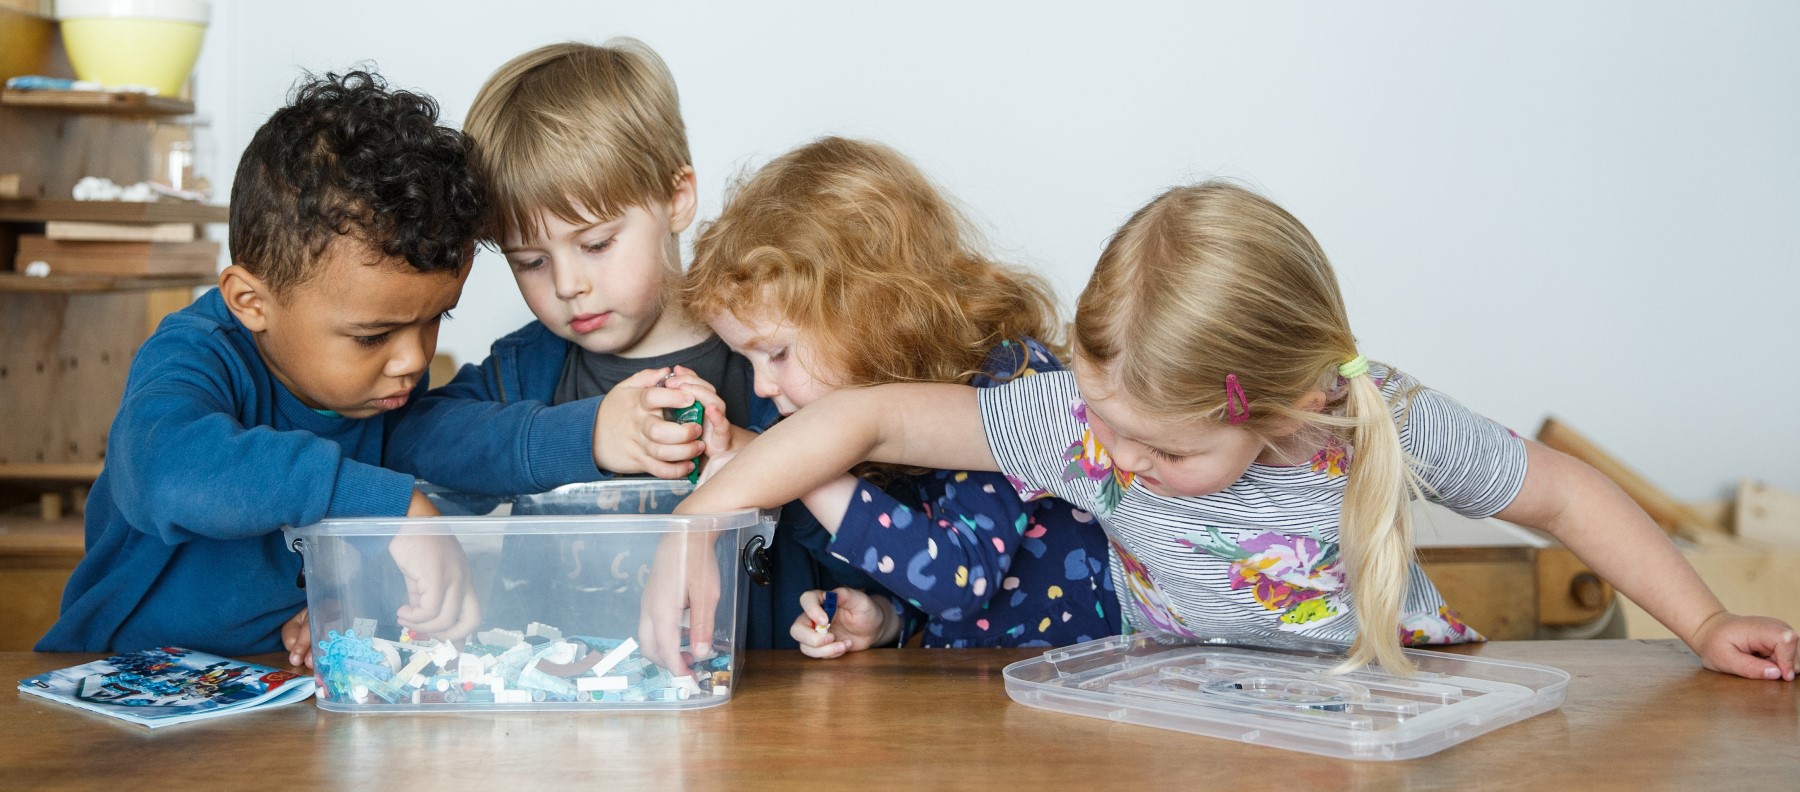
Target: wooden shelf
pixel 97 102
pixel 56 472
pixel 43 211
pixel 63 284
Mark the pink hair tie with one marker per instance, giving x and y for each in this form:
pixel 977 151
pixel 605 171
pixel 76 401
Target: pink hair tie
pixel 1237 407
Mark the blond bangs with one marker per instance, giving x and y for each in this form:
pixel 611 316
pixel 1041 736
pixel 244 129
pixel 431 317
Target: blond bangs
pixel 578 132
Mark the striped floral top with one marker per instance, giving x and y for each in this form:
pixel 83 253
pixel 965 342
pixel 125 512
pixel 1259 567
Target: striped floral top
pixel 1262 554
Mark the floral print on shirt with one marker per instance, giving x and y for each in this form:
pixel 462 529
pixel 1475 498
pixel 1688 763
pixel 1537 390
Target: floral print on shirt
pixel 1299 576
pixel 1087 459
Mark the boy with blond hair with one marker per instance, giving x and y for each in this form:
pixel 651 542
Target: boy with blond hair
pixel 587 161
pixel 267 402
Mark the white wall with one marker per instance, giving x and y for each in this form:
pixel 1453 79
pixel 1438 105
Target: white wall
pixel 1583 209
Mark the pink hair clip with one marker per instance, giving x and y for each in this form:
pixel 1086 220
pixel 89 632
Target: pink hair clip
pixel 1237 407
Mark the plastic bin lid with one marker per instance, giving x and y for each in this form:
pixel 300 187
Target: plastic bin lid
pixel 1279 692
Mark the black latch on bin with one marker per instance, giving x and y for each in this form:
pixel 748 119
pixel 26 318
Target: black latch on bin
pixel 756 560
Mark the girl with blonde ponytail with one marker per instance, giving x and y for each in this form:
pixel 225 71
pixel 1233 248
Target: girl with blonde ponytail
pixel 1252 469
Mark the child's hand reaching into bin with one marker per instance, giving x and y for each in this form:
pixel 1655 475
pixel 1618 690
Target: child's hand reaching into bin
pixel 683 577
pixel 296 636
pixel 860 622
pixel 440 595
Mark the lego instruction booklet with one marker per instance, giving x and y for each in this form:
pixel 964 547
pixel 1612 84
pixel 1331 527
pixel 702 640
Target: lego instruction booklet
pixel 159 687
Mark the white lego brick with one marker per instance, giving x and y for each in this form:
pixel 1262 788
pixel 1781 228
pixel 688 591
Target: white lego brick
pixel 615 656
pixel 590 684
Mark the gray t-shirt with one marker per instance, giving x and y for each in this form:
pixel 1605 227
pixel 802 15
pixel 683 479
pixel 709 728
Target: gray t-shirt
pixel 587 374
pixel 1262 554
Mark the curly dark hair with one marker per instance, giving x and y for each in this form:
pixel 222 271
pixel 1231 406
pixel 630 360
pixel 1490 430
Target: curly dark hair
pixel 348 156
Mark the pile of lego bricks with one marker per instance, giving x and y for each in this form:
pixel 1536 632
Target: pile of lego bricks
pixel 536 666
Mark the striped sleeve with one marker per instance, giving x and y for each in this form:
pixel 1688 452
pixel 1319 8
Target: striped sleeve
pixel 1029 423
pixel 1468 462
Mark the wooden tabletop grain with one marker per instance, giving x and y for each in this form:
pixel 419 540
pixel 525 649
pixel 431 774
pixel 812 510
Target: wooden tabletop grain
pixel 1639 715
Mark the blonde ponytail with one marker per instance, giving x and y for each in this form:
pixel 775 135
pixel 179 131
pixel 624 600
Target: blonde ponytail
pixel 1375 527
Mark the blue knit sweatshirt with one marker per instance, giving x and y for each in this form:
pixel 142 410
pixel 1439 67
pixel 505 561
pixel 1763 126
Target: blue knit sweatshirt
pixel 208 457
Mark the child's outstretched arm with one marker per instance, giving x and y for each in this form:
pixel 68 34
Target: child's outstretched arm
pixel 924 424
pixel 1605 529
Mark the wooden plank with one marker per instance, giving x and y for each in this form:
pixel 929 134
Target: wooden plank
pixel 86 257
pixel 95 284
pixel 1766 513
pixel 122 232
pixel 37 8
pixel 45 210
pixel 43 245
pixel 53 472
pixel 97 102
pixel 62 371
pixel 1669 513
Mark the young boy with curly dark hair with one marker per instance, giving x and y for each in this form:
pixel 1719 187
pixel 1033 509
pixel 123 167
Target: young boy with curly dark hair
pixel 266 403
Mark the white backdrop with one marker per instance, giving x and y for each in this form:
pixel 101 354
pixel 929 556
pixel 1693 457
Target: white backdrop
pixel 1590 209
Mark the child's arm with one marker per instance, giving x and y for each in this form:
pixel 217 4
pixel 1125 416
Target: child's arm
pixel 471 436
pixel 861 621
pixel 180 465
pixel 922 424
pixel 1586 512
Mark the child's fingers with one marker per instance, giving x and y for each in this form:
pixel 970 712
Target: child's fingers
pixel 1745 664
pixel 700 629
pixel 1786 654
pixel 666 397
pixel 468 617
pixel 669 470
pixel 669 433
pixel 668 643
pixel 811 609
pixel 648 378
pixel 296 637
pixel 427 612
pixel 814 643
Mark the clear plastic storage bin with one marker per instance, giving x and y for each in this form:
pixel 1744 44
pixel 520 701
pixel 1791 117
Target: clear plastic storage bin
pixel 1285 697
pixel 558 576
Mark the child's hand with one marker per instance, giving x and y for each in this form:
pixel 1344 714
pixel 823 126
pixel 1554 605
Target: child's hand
pixel 684 576
pixel 631 433
pixel 1754 647
pixel 296 635
pixel 440 597
pixel 861 622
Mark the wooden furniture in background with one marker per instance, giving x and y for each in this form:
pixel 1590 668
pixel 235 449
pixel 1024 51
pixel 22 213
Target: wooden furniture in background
pixel 1638 715
pixel 36 558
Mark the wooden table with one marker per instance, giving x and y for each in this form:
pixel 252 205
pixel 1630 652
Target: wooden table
pixel 1639 715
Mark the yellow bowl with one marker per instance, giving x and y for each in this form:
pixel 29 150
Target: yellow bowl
pixel 134 43
pixel 24 43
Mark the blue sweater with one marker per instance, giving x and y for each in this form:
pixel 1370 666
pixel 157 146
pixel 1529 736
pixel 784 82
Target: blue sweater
pixel 493 430
pixel 208 457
